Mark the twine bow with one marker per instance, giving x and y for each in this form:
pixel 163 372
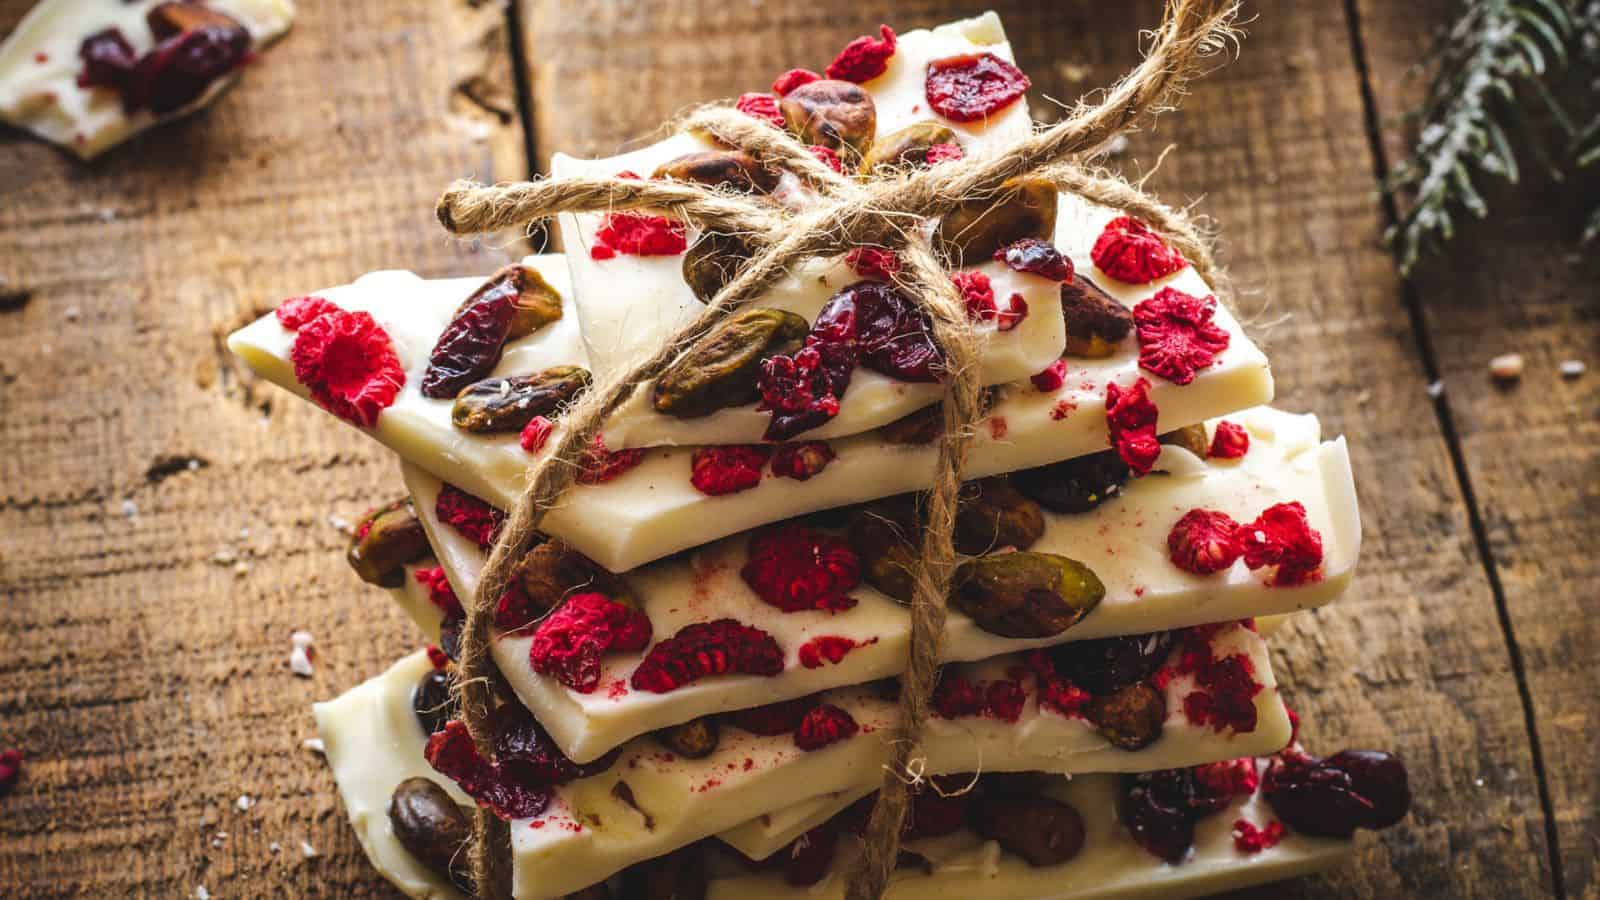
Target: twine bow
pixel 882 213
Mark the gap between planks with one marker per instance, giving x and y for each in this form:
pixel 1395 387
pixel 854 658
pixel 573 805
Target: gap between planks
pixel 1463 476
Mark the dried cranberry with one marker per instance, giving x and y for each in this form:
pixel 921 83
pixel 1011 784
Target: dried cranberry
pixel 1131 423
pixel 1036 257
pixel 704 649
pixel 802 391
pixel 535 434
pixel 1229 442
pixel 825 649
pixel 973 86
pixel 827 156
pixel 10 770
pixel 450 636
pixel 180 68
pixel 1130 252
pixel 470 346
pixel 296 311
pixel 470 516
pixel 802 460
pixel 873 262
pixel 864 58
pixel 570 641
pixel 1109 664
pixel 638 234
pixel 763 107
pixel 1177 338
pixel 889 332
pixel 933 814
pixel 1051 379
pixel 1160 810
pixel 774 718
pixel 792 79
pixel 597 465
pixel 451 752
pixel 348 363
pixel 440 593
pixel 727 469
pixel 524 749
pixel 431 700
pixel 824 725
pixel 1204 542
pixel 1333 797
pixel 796 568
pixel 944 152
pixel 810 855
pixel 108 60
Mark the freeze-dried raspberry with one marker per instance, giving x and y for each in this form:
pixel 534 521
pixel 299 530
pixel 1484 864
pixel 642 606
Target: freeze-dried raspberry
pixel 704 649
pixel 827 156
pixel 1230 441
pixel 1004 699
pixel 802 460
pixel 977 293
pixel 956 698
pixel 824 725
pixel 1226 699
pixel 1229 778
pixel 825 649
pixel 802 391
pixel 440 593
pixel 810 855
pixel 451 752
pixel 597 465
pixel 570 641
pixel 1130 252
pixel 1131 423
pixel 971 87
pixel 873 262
pixel 1204 542
pixel 535 433
pixel 638 234
pixel 727 469
pixel 1055 691
pixel 1176 335
pixel 864 58
pixel 1052 378
pixel 1036 257
pixel 1016 310
pixel 796 568
pixel 792 79
pixel 943 152
pixel 1282 536
pixel 348 363
pixel 10 770
pixel 774 718
pixel 1247 838
pixel 763 107
pixel 296 311
pixel 473 517
pixel 437 657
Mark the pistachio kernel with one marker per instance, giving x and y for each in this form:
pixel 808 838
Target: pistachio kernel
pixel 712 261
pixel 718 168
pixel 694 739
pixel 993 514
pixel 723 368
pixel 906 148
pixel 926 424
pixel 839 115
pixel 432 828
pixel 1130 717
pixel 386 539
pixel 1190 437
pixel 507 404
pixel 1096 322
pixel 972 232
pixel 1074 485
pixel 553 571
pixel 537 303
pixel 1042 830
pixel 881 533
pixel 1025 594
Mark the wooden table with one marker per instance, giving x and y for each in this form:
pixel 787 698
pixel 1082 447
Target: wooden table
pixel 166 520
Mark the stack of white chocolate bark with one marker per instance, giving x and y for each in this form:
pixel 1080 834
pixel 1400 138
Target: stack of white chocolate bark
pixel 699 656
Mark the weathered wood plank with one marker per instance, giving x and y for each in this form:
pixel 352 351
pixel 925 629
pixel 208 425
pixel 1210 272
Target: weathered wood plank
pixel 1518 283
pixel 149 687
pixel 1276 145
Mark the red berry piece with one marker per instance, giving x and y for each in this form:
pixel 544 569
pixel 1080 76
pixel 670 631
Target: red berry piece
pixel 864 58
pixel 183 66
pixel 1108 665
pixel 956 698
pixel 599 465
pixel 824 725
pixel 1052 378
pixel 973 87
pixel 873 262
pixel 1282 536
pixel 451 752
pixel 792 79
pixel 1204 542
pixel 1249 839
pixel 827 156
pixel 1160 810
pixel 1176 335
pixel 10 770
pixel 1333 797
pixel 471 516
pixel 569 642
pixel 1230 441
pixel 1004 700
pixel 891 334
pixel 810 855
pixel 933 814
pixel 763 107
pixel 1036 257
pixel 802 391
pixel 1130 252
pixel 440 593
pixel 796 568
pixel 819 651
pixel 1131 423
pixel 470 346
pixel 774 718
pixel 727 469
pixel 1056 690
pixel 704 649
pixel 535 434
pixel 1226 696
pixel 1229 778
pixel 802 460
pixel 108 61
pixel 1016 310
pixel 296 311
pixel 944 152
pixel 977 293
pixel 348 363
pixel 638 234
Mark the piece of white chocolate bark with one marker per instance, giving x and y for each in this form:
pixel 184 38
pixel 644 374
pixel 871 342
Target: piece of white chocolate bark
pixel 40 67
pixel 653 510
pixel 592 828
pixel 1124 541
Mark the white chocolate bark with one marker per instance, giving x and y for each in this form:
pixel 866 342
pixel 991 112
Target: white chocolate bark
pixel 1124 542
pixel 39 67
pixel 653 510
pixel 589 832
pixel 628 304
pixel 1109 867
